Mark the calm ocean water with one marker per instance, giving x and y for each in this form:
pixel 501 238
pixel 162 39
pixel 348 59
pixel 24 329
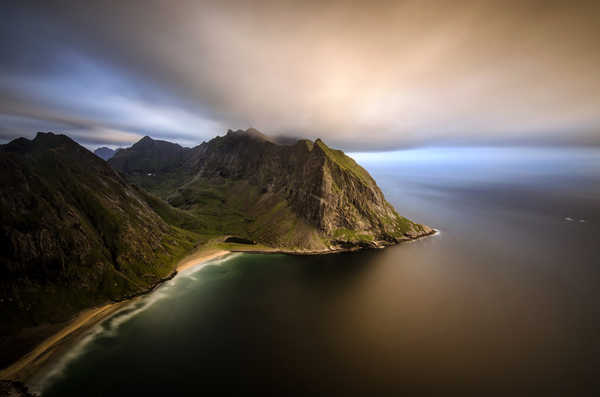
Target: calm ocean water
pixel 505 299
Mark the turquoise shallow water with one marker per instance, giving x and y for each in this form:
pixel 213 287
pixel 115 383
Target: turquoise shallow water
pixel 504 299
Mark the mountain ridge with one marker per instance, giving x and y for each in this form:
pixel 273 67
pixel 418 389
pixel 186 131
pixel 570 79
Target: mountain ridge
pixel 149 155
pixel 331 199
pixel 77 231
pixel 73 234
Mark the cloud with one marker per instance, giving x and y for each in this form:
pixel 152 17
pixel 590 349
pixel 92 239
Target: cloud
pixel 379 75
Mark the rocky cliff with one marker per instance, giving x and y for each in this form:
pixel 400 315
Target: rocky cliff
pixel 304 196
pixel 73 234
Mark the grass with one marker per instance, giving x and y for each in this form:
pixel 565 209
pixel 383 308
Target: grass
pixel 161 184
pixel 219 207
pixel 223 206
pixel 343 234
pixel 219 244
pixel 401 225
pixel 346 163
pixel 171 215
pixel 108 244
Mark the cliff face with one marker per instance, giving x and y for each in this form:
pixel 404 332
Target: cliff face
pixel 73 233
pixel 300 196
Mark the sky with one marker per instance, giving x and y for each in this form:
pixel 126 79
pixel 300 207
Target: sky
pixel 362 76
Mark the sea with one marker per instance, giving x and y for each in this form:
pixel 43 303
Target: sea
pixel 503 300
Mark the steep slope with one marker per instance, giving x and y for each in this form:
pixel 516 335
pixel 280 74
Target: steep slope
pixel 304 196
pixel 73 233
pixel 104 153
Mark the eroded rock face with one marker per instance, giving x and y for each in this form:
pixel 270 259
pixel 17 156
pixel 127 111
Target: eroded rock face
pixel 334 199
pixel 324 187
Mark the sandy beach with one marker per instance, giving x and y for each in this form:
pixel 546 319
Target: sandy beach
pixel 27 365
pixel 199 257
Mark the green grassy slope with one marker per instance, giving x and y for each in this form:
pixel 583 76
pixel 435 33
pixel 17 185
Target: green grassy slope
pixel 301 196
pixel 73 234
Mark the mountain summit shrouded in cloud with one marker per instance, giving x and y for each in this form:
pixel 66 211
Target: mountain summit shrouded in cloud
pixel 372 76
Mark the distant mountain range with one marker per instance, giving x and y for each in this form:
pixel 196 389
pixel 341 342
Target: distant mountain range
pixel 105 153
pixel 77 231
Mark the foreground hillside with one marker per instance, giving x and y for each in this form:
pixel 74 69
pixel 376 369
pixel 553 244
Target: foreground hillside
pixel 73 234
pixel 305 196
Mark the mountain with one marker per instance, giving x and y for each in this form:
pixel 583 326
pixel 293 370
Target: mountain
pixel 77 231
pixel 304 196
pixel 150 156
pixel 104 153
pixel 73 234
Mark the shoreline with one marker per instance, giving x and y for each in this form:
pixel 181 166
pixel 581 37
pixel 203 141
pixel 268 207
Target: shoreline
pixel 198 257
pixel 382 245
pixel 25 368
pixel 28 365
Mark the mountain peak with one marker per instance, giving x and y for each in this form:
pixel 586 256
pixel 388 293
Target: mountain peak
pixel 250 132
pixel 52 139
pixel 145 141
pixel 18 145
pixel 70 224
pixel 254 131
pixel 41 134
pixel 149 155
pixel 105 153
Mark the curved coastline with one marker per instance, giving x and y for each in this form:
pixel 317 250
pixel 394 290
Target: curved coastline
pixel 24 369
pixel 374 245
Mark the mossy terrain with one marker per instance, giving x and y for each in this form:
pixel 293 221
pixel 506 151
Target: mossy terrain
pixel 226 207
pixel 351 236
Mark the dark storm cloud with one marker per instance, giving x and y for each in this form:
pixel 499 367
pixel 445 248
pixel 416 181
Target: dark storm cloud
pixel 376 75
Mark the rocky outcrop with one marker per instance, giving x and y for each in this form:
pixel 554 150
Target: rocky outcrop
pixel 309 195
